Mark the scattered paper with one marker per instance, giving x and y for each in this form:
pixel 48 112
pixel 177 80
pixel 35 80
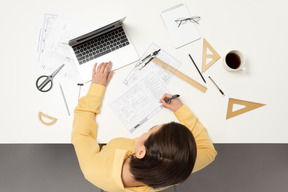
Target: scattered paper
pixel 53 48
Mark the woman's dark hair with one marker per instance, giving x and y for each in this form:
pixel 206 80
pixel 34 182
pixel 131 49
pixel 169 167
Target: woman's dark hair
pixel 170 157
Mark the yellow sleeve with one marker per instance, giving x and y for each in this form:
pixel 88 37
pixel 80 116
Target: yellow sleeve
pixel 206 152
pixel 84 131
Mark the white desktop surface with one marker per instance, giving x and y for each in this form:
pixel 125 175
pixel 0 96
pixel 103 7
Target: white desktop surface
pixel 257 28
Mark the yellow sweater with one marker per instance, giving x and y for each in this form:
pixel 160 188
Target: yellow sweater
pixel 103 168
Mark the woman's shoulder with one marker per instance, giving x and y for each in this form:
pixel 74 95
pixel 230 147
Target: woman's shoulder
pixel 121 143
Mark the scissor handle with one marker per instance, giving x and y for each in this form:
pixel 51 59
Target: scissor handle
pixel 44 83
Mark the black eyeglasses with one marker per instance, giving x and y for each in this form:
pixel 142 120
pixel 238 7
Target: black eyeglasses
pixel 182 21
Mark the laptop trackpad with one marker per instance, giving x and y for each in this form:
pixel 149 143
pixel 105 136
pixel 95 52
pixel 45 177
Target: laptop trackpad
pixel 127 55
pixel 115 58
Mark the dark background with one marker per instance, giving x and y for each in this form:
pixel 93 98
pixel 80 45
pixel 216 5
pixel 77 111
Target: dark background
pixel 54 167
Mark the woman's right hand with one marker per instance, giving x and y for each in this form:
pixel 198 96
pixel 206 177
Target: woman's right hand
pixel 173 104
pixel 101 74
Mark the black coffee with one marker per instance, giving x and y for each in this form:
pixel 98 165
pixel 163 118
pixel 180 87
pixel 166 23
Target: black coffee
pixel 233 60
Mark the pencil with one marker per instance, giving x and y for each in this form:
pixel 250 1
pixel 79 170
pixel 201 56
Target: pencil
pixel 197 68
pixel 216 86
pixel 64 99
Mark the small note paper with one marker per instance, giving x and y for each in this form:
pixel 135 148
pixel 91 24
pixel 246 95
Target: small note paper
pixel 184 34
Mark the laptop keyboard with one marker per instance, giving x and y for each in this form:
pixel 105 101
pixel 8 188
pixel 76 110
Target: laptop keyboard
pixel 100 45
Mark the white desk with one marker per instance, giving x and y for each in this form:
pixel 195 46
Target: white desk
pixel 258 28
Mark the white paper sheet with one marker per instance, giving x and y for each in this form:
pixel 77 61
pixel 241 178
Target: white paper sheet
pixel 140 103
pixel 48 25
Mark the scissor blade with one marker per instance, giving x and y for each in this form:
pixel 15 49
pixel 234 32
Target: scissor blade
pixel 57 70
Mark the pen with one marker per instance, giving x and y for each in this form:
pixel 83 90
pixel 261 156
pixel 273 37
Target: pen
pixel 216 86
pixel 64 99
pixel 173 97
pixel 197 68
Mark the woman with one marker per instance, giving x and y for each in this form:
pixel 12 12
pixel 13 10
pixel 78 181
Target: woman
pixel 164 156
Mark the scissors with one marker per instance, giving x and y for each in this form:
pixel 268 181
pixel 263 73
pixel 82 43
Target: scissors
pixel 150 57
pixel 48 80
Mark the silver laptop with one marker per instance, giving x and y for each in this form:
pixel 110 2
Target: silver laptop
pixel 108 43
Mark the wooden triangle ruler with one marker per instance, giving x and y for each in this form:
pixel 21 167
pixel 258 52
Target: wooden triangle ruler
pixel 215 56
pixel 180 75
pixel 53 119
pixel 248 107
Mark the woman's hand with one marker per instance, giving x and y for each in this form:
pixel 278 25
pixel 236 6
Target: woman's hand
pixel 173 104
pixel 101 75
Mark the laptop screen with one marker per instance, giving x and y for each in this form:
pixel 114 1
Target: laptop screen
pixel 91 34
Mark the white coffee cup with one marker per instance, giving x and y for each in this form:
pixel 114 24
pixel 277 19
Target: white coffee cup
pixel 234 61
